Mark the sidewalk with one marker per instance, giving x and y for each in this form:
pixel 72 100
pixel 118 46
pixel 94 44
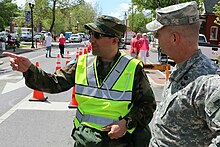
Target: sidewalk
pixel 23 49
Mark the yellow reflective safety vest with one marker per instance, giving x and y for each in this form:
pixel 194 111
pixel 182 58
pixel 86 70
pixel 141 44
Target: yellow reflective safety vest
pixel 100 104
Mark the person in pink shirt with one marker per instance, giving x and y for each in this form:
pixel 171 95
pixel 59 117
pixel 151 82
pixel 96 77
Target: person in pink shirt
pixel 62 41
pixel 135 46
pixel 144 48
pixel 132 48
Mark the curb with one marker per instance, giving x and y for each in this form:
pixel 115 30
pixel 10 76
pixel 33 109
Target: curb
pixel 20 50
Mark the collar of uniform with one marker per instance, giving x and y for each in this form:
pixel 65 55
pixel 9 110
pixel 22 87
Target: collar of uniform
pixel 184 67
pixel 100 62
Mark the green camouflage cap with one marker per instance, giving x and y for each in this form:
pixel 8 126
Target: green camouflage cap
pixel 107 25
pixel 174 15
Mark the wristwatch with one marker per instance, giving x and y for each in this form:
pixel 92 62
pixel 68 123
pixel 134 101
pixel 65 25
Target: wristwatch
pixel 129 124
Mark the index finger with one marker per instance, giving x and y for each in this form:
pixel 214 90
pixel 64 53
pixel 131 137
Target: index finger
pixel 12 55
pixel 108 127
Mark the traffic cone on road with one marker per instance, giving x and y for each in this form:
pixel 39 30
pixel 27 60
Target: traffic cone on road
pixel 73 103
pixel 77 53
pixel 68 57
pixel 85 50
pixel 38 95
pixel 80 50
pixel 89 47
pixel 58 62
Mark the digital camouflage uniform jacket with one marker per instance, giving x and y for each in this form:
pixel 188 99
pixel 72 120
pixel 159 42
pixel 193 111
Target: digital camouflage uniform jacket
pixel 189 114
pixel 143 99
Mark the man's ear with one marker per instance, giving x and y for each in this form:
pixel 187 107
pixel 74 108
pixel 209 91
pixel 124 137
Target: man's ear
pixel 115 40
pixel 175 37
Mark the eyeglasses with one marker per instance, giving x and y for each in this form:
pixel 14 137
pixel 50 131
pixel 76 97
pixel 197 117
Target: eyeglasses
pixel 97 35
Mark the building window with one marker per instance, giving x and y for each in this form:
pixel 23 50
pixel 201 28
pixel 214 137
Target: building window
pixel 213 32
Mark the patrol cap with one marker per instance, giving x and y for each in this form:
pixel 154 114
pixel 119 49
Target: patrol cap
pixel 107 25
pixel 175 15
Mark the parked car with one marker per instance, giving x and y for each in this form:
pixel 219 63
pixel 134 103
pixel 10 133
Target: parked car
pixel 212 51
pixel 26 36
pixel 37 36
pixel 83 36
pixel 75 38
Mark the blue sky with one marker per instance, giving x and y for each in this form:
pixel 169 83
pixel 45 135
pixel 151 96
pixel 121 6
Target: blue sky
pixel 115 8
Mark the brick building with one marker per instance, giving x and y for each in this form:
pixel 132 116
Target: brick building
pixel 208 27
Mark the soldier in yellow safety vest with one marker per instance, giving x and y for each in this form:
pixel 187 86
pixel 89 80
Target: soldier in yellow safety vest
pixel 115 100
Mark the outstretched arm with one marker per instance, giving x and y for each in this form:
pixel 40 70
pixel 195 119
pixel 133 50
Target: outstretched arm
pixel 18 63
pixel 38 79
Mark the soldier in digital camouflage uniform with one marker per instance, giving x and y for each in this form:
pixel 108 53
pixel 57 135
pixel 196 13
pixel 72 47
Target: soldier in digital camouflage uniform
pixel 189 114
pixel 117 113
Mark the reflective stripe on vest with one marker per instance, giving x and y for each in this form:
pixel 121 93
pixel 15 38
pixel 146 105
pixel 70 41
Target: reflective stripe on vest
pixel 90 71
pixel 93 119
pixel 117 71
pixel 114 75
pixel 104 93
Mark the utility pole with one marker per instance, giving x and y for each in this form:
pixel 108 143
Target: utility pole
pixel 31 5
pixel 126 31
pixel 132 17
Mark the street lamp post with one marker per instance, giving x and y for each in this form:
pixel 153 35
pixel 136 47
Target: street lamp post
pixel 126 27
pixel 31 5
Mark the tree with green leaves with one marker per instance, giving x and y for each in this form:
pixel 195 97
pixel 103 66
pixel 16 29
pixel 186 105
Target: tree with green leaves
pixel 140 5
pixel 9 11
pixel 154 4
pixel 217 13
pixel 50 15
pixel 58 15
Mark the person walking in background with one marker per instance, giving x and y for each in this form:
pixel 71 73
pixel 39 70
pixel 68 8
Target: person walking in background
pixel 135 45
pixel 115 100
pixel 144 48
pixel 48 40
pixel 189 113
pixel 42 39
pixel 62 41
pixel 132 48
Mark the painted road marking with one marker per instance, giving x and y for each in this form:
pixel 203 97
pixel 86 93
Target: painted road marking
pixel 26 105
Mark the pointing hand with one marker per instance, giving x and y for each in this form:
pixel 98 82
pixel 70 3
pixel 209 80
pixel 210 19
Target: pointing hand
pixel 18 63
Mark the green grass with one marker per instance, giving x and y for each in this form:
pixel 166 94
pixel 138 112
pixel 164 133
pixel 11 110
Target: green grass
pixel 24 46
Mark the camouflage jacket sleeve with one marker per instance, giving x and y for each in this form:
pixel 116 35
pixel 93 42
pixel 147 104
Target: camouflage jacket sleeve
pixel 212 108
pixel 143 100
pixel 61 80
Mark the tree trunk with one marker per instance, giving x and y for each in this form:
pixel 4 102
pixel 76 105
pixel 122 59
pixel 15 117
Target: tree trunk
pixel 53 18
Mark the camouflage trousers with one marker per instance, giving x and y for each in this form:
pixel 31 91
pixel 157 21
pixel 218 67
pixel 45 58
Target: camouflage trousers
pixel 89 137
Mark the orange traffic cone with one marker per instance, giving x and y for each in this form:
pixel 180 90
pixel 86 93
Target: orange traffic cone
pixel 167 72
pixel 68 57
pixel 89 47
pixel 58 62
pixel 80 50
pixel 85 50
pixel 38 95
pixel 73 103
pixel 77 53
